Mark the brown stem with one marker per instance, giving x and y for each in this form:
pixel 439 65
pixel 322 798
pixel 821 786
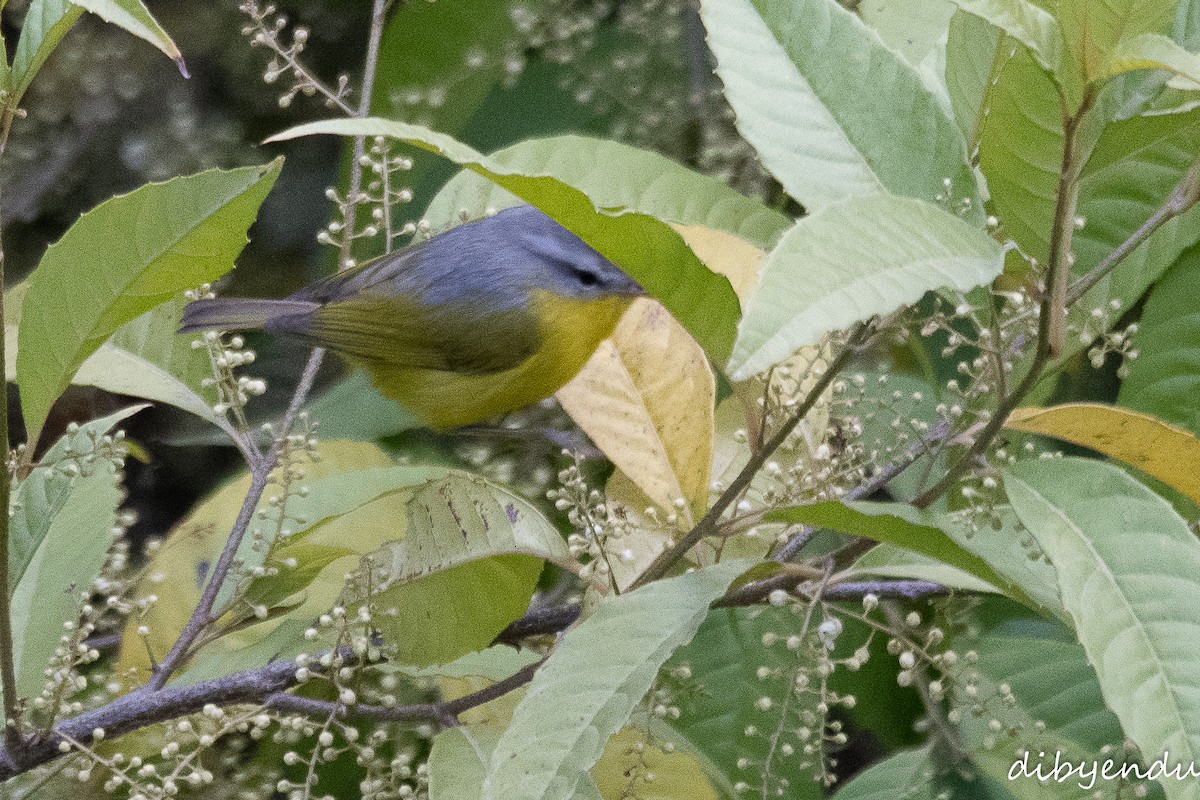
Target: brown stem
pixel 1051 317
pixel 8 673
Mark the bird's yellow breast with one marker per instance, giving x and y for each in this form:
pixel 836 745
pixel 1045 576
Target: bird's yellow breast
pixel 570 330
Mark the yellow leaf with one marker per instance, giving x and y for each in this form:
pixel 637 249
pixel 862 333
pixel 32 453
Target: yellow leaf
pixel 646 399
pixel 620 771
pixel 1155 447
pixel 726 254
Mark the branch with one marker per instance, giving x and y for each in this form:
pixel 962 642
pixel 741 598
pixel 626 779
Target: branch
pixel 707 526
pixel 1051 317
pixel 445 711
pixel 1185 195
pixel 202 615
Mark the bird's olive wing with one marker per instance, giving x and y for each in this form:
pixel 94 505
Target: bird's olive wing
pixel 401 332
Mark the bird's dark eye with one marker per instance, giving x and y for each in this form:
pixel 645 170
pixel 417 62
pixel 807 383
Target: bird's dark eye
pixel 587 278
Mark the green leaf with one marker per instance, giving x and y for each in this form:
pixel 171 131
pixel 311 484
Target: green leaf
pixel 1024 21
pixel 1155 51
pixel 123 258
pixel 1164 380
pixel 354 409
pixel 46 22
pixel 147 358
pixel 972 49
pixel 908 774
pixel 299 565
pixel 1020 150
pixel 458 763
pixel 648 249
pixel 593 680
pixel 896 523
pixel 832 111
pixel 5 69
pixel 851 261
pixel 889 561
pixel 1124 558
pixel 439 61
pixel 59 537
pixel 1058 706
pixel 1130 174
pixel 466 567
pixel 912 28
pixel 339 510
pixel 133 17
pixel 719 696
pixel 615 175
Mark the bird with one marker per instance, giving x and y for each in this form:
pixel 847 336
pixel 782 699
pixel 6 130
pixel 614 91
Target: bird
pixel 483 319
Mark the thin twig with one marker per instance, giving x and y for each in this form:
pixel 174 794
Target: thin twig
pixel 439 711
pixel 202 615
pixel 1185 195
pixel 707 526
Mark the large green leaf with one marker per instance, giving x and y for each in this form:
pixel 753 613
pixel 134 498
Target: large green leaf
pixel 718 700
pixel 616 175
pixel 1124 559
pixel 144 358
pixel 900 524
pixel 832 111
pixel 46 22
pixel 466 567
pixel 648 249
pixel 320 518
pixel 973 47
pixel 59 535
pixel 438 61
pixel 1058 708
pixel 354 409
pixel 1093 30
pixel 458 763
pixel 1164 380
pixel 593 680
pixel 912 28
pixel 147 358
pixel 1020 150
pixel 908 774
pixel 851 261
pixel 123 258
pixel 1155 51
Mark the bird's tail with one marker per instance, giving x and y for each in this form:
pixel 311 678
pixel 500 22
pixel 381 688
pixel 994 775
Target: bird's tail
pixel 237 314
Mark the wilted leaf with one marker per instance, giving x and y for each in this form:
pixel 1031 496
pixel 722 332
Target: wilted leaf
pixel 646 399
pixel 1140 440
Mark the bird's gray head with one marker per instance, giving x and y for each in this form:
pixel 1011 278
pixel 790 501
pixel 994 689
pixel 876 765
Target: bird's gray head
pixel 562 262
